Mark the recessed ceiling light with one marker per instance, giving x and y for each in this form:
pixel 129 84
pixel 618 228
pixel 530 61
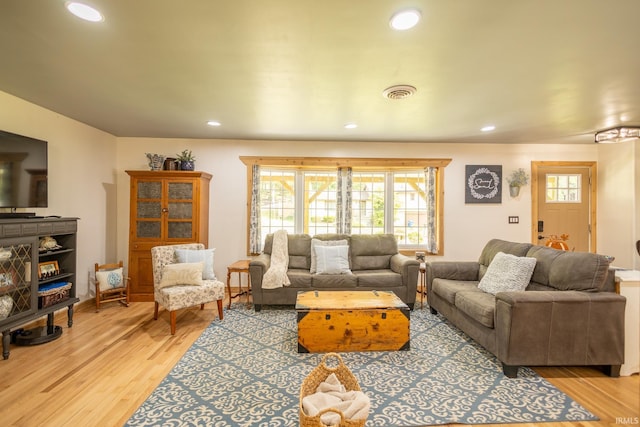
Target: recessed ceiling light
pixel 350 126
pixel 83 11
pixel 488 128
pixel 405 19
pixel 213 123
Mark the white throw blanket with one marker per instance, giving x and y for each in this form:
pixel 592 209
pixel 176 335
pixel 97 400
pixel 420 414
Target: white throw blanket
pixel 276 275
pixel 330 393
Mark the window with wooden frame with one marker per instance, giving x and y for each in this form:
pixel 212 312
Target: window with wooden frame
pixel 319 195
pixel 563 188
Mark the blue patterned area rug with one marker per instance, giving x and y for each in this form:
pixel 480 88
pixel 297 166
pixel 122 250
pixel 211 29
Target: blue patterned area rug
pixel 246 371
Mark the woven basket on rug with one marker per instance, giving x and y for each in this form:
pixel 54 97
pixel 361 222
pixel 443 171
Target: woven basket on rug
pixel 313 380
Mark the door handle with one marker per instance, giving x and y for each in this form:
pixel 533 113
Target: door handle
pixel 540 237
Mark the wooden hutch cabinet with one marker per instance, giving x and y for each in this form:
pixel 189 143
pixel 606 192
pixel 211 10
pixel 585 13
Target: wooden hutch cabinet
pixel 166 208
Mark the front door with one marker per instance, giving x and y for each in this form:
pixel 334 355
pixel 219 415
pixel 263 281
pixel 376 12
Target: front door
pixel 564 204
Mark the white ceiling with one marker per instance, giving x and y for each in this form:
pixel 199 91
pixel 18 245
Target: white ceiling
pixel 539 70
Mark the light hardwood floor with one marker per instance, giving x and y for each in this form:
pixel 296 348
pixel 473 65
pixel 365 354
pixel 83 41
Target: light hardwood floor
pixel 100 370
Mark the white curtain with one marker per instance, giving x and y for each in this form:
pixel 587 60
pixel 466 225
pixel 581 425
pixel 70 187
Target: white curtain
pixel 255 242
pixel 430 187
pixel 343 201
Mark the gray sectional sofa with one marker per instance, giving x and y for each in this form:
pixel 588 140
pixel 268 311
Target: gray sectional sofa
pixel 568 315
pixel 374 261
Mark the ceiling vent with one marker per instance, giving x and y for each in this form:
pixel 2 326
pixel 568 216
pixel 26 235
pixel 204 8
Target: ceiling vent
pixel 399 92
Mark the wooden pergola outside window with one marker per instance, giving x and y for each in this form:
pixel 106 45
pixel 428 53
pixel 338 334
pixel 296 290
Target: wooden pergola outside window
pixel 388 196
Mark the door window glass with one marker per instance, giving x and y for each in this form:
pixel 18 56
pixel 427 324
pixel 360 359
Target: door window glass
pixel 564 188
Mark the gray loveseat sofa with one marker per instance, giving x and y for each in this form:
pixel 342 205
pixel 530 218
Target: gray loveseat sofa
pixel 374 261
pixel 568 315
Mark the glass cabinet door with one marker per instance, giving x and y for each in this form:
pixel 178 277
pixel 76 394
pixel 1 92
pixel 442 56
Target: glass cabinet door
pixel 149 210
pixel 180 210
pixel 164 210
pixel 16 270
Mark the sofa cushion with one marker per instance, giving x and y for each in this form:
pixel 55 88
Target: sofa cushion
pixel 378 279
pixel 448 288
pixel 480 306
pixel 535 286
pixel 299 248
pixel 333 281
pixel 544 258
pixel 333 236
pixel 372 251
pixel 371 262
pixel 566 271
pixel 507 273
pixel 299 278
pixel 299 251
pixel 496 245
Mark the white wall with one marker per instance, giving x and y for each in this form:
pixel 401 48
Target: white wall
pixel 636 213
pixel 467 227
pixel 618 202
pixel 81 177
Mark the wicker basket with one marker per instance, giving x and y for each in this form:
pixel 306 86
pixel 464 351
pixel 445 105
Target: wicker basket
pixel 49 297
pixel 313 380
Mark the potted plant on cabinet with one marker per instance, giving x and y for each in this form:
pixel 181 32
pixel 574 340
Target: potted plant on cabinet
pixel 517 179
pixel 187 160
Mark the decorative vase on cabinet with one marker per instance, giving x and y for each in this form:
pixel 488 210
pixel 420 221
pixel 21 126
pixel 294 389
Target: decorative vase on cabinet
pixel 187 165
pixel 156 161
pixel 166 207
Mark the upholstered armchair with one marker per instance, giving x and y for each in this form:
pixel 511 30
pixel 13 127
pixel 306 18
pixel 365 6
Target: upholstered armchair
pixel 177 285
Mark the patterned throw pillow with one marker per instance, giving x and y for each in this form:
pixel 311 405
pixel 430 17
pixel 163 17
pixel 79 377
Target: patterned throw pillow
pixel 187 273
pixel 110 279
pixel 507 273
pixel 205 256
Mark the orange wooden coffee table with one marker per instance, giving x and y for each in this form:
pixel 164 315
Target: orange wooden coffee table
pixel 339 321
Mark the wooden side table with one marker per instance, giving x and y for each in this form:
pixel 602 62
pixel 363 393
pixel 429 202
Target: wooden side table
pixel 239 267
pixel 423 283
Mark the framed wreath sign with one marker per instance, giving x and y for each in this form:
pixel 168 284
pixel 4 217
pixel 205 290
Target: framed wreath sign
pixel 483 184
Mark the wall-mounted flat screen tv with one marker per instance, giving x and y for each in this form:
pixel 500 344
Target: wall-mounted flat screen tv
pixel 23 171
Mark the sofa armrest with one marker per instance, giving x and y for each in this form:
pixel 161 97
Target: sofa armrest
pixel 560 328
pixel 454 270
pixel 258 266
pixel 408 268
